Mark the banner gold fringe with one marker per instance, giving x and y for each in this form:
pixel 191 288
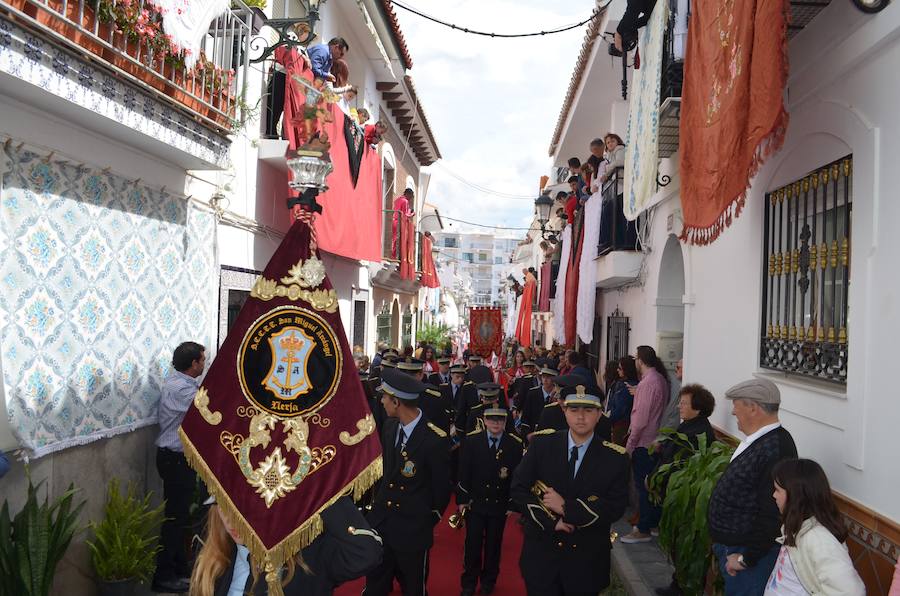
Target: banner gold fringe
pixel 272 560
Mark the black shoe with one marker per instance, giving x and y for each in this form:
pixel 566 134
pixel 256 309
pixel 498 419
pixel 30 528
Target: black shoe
pixel 170 586
pixel 467 592
pixel 487 589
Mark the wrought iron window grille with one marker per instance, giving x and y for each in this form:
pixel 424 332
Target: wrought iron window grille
pixel 806 277
pixel 617 328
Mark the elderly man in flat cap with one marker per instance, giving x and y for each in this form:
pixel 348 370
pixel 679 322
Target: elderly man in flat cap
pixel 743 517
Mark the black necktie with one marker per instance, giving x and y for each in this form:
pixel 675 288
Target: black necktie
pixel 573 459
pixel 401 439
pixel 494 444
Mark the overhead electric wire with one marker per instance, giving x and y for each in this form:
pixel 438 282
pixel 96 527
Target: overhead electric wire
pixel 483 189
pixel 462 29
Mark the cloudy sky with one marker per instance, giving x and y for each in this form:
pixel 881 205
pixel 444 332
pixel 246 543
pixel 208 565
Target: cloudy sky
pixel 492 103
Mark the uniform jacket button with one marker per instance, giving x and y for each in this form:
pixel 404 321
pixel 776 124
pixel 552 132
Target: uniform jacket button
pixel 391 485
pixel 559 544
pixel 389 503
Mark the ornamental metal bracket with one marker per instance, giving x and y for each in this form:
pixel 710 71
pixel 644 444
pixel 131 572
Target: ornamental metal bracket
pixel 292 33
pixel 662 180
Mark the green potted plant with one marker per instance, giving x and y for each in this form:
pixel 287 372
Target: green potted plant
pixel 687 484
pixel 35 540
pixel 125 542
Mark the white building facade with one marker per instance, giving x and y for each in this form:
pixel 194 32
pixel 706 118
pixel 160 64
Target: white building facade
pixel 795 290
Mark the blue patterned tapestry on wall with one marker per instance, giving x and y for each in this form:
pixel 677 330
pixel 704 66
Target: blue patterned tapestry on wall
pixel 101 278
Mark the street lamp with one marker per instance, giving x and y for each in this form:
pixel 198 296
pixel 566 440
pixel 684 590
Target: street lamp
pixel 542 206
pixel 292 33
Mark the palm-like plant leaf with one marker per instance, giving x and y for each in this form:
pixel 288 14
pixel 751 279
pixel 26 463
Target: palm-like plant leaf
pixel 125 541
pixel 688 483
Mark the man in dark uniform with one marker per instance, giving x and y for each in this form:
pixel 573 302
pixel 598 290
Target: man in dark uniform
pixel 458 392
pixel 489 395
pixel 535 399
pixel 478 373
pixel 554 417
pixel 553 414
pixel 571 486
pixel 487 464
pixel 436 408
pixel 414 491
pixel 521 385
pixel 443 374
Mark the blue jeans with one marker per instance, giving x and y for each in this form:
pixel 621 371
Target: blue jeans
pixel 750 581
pixel 642 465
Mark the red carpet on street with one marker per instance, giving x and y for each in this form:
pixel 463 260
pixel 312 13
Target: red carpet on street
pixel 447 557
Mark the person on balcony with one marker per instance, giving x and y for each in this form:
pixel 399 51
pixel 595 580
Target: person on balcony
pixel 374 132
pixel 401 209
pixel 637 14
pixel 615 154
pixel 585 176
pixel 322 57
pixel 362 116
pixel 572 199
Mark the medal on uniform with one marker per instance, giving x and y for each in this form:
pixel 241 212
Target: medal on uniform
pixel 504 473
pixel 408 469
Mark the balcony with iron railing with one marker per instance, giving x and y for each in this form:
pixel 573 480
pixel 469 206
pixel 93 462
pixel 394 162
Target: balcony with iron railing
pixel 387 273
pixel 619 248
pixel 125 39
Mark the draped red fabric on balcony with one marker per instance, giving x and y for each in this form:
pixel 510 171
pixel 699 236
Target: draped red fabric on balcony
pixel 407 248
pixel 546 281
pixel 523 326
pixel 350 223
pixel 429 274
pixel 733 115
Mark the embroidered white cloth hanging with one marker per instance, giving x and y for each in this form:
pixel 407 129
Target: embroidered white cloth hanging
pixel 511 312
pixel 559 303
pixel 187 21
pixel 587 277
pixel 642 151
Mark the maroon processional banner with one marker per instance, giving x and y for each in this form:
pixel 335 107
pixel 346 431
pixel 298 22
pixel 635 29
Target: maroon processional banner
pixel 280 427
pixel 485 331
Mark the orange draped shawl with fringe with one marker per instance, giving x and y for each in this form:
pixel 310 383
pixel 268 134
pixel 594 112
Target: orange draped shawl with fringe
pixel 733 115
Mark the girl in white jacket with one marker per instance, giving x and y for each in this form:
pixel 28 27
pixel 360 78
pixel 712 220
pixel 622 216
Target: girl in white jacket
pixel 813 558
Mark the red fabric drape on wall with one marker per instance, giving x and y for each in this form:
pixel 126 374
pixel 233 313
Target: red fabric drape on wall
pixel 523 326
pixel 429 274
pixel 544 295
pixel 350 223
pixel 733 113
pixel 407 242
pixel 572 276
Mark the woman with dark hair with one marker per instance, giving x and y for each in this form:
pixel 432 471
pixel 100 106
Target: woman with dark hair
pixel 621 401
pixel 347 549
pixel 650 398
pixel 695 405
pixel 813 557
pixel 430 365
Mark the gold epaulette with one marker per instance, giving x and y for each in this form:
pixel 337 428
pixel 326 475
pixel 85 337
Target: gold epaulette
pixel 551 404
pixel 469 383
pixel 546 431
pixel 445 384
pixel 614 447
pixel 437 430
pixel 474 432
pixel 433 392
pixel 516 437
